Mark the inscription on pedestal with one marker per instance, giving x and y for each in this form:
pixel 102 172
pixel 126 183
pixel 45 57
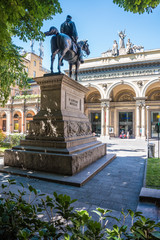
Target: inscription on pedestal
pixel 72 102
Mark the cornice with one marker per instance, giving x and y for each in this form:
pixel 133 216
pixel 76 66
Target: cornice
pixel 122 56
pixel 49 80
pixel 120 66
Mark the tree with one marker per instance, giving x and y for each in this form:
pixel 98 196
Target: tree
pixel 23 19
pixel 138 6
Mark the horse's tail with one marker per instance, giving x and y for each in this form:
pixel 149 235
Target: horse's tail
pixel 52 31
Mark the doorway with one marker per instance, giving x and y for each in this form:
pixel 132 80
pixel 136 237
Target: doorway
pixel 96 123
pixel 126 122
pixel 155 118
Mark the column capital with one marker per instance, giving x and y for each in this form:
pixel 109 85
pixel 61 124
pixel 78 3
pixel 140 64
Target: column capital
pixel 140 102
pixel 105 102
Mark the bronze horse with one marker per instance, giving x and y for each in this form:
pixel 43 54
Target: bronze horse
pixel 66 49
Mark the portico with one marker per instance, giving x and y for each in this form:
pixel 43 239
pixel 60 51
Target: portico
pixel 120 90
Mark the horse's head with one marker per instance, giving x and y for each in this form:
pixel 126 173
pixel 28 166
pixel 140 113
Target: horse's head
pixel 85 46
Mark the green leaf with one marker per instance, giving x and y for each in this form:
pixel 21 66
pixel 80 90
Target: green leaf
pixel 156 234
pixel 30 188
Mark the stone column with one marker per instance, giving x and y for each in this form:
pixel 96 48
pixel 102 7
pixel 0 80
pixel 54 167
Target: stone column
pixel 102 118
pixel 8 123
pixel 137 121
pixel 107 120
pixel 12 122
pixel 148 120
pixel 22 119
pixel 140 102
pixel 143 121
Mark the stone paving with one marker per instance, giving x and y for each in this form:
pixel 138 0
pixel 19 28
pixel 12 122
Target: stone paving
pixel 116 187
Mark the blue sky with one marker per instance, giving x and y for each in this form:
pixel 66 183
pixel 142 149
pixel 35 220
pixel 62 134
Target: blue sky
pixel 99 22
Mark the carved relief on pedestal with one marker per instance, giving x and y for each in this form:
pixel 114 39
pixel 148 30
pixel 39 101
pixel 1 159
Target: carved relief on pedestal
pixel 48 128
pixel 43 128
pixel 73 129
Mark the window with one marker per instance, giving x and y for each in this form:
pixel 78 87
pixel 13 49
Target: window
pixel 4 125
pixel 16 115
pixel 16 125
pixel 34 63
pixel 29 115
pixel 155 116
pixel 34 73
pixel 27 126
pixel 16 92
pixel 27 69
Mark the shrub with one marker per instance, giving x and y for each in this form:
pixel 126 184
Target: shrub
pixel 2 137
pixel 15 139
pixel 19 219
pixel 6 145
pixel 26 96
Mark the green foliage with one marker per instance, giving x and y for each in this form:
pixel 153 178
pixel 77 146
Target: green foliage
pixel 26 96
pixel 152 174
pixel 137 6
pixel 20 219
pixel 22 19
pixel 15 139
pixel 11 70
pixel 2 137
pixel 6 145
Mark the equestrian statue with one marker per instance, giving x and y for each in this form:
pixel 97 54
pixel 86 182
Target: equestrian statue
pixel 66 46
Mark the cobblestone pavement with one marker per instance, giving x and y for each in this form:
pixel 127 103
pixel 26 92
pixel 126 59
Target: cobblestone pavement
pixel 116 187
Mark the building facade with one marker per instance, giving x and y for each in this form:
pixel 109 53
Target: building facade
pixel 23 104
pixel 124 91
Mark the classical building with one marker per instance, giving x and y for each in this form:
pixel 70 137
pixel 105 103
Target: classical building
pixel 23 104
pixel 124 90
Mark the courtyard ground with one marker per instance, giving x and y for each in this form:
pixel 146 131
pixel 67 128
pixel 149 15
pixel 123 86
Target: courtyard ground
pixel 116 187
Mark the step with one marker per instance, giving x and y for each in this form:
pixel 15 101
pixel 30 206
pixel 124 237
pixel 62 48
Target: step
pixel 149 195
pixel 58 150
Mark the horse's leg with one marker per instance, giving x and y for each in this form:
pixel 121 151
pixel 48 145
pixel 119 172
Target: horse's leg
pixel 53 58
pixel 70 70
pixel 76 70
pixel 59 63
pixel 60 58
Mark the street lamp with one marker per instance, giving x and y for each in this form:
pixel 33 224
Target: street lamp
pixel 147 131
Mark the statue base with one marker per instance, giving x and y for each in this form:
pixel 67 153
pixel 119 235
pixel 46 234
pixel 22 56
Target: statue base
pixel 60 138
pixel 122 51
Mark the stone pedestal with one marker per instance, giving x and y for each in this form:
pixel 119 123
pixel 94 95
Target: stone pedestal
pixel 122 51
pixel 60 138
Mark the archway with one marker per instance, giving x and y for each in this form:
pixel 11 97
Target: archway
pixel 122 108
pixel 29 117
pixel 152 95
pixel 93 109
pixel 122 85
pixel 17 122
pixel 3 121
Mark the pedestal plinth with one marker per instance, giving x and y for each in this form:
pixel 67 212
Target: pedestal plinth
pixel 60 138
